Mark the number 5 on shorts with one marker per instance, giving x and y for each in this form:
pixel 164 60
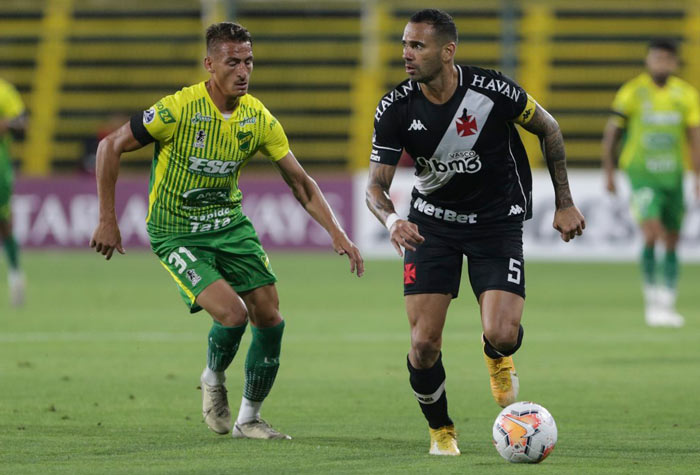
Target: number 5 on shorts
pixel 177 261
pixel 514 267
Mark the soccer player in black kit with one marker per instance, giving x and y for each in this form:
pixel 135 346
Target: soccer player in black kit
pixel 472 193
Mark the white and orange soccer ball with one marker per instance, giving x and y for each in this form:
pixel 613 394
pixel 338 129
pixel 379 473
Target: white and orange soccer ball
pixel 524 432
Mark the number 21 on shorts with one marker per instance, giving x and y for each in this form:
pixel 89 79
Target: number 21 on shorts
pixel 514 271
pixel 176 260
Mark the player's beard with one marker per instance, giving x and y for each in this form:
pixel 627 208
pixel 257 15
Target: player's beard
pixel 660 78
pixel 428 76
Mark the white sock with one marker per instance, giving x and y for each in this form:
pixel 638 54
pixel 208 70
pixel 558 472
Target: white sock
pixel 249 411
pixel 213 378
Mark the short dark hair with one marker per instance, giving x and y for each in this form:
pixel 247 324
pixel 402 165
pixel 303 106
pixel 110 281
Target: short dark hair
pixel 665 44
pixel 441 21
pixel 227 31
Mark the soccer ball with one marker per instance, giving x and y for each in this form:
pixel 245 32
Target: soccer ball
pixel 524 432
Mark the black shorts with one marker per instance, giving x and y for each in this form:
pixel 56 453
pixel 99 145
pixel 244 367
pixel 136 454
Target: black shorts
pixel 494 256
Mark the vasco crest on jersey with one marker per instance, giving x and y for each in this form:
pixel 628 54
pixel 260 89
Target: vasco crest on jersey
pixel 466 125
pixel 200 139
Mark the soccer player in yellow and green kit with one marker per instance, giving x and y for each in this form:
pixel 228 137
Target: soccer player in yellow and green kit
pixel 660 116
pixel 204 135
pixel 12 122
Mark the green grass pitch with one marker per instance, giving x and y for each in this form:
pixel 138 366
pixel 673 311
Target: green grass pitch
pixel 98 374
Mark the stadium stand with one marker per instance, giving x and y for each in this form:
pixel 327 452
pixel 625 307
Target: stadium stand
pixel 310 58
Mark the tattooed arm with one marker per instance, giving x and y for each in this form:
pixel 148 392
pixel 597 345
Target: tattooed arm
pixel 402 232
pixel 568 220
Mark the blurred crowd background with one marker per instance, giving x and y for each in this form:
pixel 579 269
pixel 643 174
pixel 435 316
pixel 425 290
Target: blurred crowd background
pixel 83 66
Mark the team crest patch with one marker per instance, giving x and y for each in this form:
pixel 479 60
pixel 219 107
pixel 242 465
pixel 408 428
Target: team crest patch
pixel 409 274
pixel 193 277
pixel 200 139
pixel 244 139
pixel 466 125
pixel 149 115
pixel 265 260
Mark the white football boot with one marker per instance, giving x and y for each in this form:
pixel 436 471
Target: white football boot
pixel 666 304
pixel 215 408
pixel 16 286
pixel 257 429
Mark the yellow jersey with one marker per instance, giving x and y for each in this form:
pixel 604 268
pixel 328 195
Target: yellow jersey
pixel 198 158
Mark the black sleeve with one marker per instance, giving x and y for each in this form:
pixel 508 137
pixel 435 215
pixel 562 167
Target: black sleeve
pixel 139 130
pixel 512 100
pixel 386 143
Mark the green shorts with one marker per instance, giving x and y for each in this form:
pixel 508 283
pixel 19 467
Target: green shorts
pixel 6 179
pixel 196 261
pixel 654 202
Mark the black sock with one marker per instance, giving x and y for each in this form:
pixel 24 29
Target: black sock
pixel 494 354
pixel 429 387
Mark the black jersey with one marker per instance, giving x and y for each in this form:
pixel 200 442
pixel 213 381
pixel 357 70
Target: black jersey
pixel 471 166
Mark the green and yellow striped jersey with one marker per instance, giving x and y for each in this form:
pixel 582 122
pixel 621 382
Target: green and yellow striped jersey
pixel 656 120
pixel 11 106
pixel 198 158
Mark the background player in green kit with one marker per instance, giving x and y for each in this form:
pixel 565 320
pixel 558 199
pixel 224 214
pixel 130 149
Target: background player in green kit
pixel 12 122
pixel 659 114
pixel 204 136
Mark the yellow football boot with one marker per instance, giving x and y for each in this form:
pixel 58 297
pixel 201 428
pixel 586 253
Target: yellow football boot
pixel 443 441
pixel 504 379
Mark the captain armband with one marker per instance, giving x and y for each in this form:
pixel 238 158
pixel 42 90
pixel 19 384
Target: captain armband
pixel 527 113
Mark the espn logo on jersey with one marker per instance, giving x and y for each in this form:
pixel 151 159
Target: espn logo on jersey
pixel 213 168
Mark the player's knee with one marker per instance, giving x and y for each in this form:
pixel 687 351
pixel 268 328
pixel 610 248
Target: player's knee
pixel 502 332
pixel 426 349
pixel 232 314
pixel 506 339
pixel 266 317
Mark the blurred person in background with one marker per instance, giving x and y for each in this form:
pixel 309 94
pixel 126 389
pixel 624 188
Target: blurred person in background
pixel 12 123
pixel 471 196
pixel 205 134
pixel 86 164
pixel 659 116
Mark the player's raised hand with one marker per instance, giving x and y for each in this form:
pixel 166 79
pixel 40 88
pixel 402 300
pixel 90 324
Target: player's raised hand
pixel 344 246
pixel 106 239
pixel 569 222
pixel 405 234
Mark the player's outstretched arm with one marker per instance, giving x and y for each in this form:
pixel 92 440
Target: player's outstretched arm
pixel 612 134
pixel 106 237
pixel 402 232
pixel 568 220
pixel 307 192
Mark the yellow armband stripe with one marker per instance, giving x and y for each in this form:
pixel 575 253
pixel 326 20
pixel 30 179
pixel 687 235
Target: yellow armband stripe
pixel 527 113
